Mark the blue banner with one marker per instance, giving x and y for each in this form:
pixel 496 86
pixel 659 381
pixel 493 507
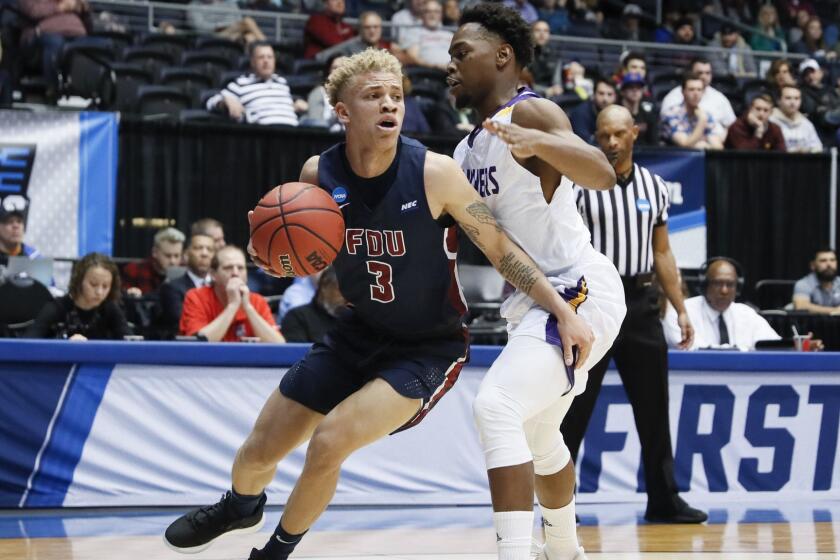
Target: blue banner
pixel 685 173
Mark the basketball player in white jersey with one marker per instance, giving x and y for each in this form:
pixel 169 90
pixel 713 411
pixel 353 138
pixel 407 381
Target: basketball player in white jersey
pixel 522 161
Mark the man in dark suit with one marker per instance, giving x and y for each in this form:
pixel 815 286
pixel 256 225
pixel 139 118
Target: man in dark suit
pixel 199 253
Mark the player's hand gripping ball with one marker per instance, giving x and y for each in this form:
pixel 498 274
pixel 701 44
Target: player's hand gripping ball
pixel 297 229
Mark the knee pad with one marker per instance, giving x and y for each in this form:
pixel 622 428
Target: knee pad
pixel 500 429
pixel 549 451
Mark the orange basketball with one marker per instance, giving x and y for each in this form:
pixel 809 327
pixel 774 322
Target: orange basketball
pixel 297 229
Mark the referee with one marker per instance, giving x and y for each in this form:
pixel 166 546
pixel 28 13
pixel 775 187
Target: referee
pixel 629 225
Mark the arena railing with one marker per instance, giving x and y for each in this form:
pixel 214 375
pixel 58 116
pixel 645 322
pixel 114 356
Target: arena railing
pixel 145 17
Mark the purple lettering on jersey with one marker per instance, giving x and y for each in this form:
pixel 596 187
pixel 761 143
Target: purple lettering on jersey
pixel 481 179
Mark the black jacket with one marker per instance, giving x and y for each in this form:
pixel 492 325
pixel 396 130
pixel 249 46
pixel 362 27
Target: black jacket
pixel 172 294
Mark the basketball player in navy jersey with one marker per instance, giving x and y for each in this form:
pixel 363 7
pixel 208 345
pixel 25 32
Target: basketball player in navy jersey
pixel 528 146
pixel 402 342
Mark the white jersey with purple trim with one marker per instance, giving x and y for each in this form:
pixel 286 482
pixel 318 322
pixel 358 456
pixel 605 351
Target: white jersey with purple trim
pixel 552 233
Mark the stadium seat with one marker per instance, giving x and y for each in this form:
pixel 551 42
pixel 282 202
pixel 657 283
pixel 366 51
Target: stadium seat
pixel 289 47
pixel 153 60
pixel 21 299
pixel 161 101
pixel 229 76
pixel 199 116
pixel 86 68
pixel 119 39
pixel 567 101
pixel 773 293
pixel 128 79
pixel 221 46
pixel 208 63
pixel 174 45
pixel 301 85
pixel 189 80
pixel 303 66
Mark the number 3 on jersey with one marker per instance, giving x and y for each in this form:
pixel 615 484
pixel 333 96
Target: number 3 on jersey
pixel 383 288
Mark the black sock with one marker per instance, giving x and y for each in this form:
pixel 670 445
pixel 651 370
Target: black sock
pixel 243 505
pixel 281 543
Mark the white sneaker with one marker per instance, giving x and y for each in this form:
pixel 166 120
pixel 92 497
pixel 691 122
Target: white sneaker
pixel 539 550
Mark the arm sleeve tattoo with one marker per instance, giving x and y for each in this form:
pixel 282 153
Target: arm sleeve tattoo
pixel 482 214
pixel 518 273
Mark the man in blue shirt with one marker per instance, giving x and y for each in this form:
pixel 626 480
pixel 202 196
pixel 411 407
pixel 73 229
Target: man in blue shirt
pixel 819 292
pixel 12 230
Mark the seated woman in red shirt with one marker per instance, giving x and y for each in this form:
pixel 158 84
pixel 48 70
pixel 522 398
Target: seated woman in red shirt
pixel 227 311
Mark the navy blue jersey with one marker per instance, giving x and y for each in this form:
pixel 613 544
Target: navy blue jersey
pixel 397 265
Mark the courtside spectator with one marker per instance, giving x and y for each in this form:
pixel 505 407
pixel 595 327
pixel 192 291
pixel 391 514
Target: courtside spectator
pixel 714 103
pixel 209 227
pixel 448 120
pixel 228 311
pixel 665 32
pixel 227 23
pixel 631 91
pixel 688 125
pixel 300 292
pixel 369 36
pixel 819 291
pixel 768 24
pixel 584 115
pixel 524 9
pixel 718 321
pixel 199 255
pixel 630 63
pixel 145 277
pixel 779 75
pixel 554 13
pixel 731 59
pixel 310 322
pixel 90 310
pixel 430 46
pixel 684 33
pixel 49 24
pixel 754 131
pixel 800 134
pixel 320 113
pixel 326 29
pixel 261 96
pixel 407 22
pixel 13 229
pixel 545 68
pixel 820 102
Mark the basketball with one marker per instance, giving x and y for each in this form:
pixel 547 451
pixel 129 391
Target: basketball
pixel 297 229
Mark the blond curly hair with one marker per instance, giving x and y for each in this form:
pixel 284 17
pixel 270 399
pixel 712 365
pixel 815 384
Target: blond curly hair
pixel 369 60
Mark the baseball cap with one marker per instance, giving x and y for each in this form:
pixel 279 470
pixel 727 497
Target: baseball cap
pixel 727 28
pixel 632 79
pixel 808 64
pixel 632 10
pixel 13 205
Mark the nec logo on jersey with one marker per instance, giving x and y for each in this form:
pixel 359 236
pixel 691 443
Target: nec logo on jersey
pixel 408 206
pixel 483 180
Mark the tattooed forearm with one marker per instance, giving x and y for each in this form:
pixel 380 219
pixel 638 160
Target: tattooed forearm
pixel 482 214
pixel 518 273
pixel 472 233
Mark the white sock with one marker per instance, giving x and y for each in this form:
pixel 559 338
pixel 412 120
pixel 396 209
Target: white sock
pixel 561 541
pixel 513 534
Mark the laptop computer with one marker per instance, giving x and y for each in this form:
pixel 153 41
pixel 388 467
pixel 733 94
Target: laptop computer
pixel 41 269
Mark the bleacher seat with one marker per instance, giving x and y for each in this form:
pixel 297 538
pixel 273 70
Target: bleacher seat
pixel 227 77
pixel 300 86
pixel 188 80
pixel 21 299
pixel 219 45
pixel 119 39
pixel 128 79
pixel 172 44
pixel 153 60
pixel 161 101
pixel 303 66
pixel 773 293
pixel 85 68
pixel 199 116
pixel 208 63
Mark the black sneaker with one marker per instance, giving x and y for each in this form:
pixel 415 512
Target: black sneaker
pixel 680 513
pixel 195 531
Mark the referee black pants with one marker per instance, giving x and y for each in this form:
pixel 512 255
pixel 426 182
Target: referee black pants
pixel 641 355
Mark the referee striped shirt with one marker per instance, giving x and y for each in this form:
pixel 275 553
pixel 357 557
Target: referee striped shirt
pixel 265 101
pixel 622 219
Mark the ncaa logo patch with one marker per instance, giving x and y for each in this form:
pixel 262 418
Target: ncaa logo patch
pixel 339 195
pixel 643 205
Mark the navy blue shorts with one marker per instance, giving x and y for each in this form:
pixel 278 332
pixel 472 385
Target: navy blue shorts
pixel 353 354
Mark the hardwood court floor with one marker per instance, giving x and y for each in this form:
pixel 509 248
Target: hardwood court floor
pixel 429 534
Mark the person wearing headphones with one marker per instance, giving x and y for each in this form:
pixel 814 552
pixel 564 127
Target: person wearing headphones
pixel 718 321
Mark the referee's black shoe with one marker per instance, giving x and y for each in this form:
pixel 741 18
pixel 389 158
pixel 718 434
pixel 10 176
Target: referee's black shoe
pixel 680 513
pixel 195 531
